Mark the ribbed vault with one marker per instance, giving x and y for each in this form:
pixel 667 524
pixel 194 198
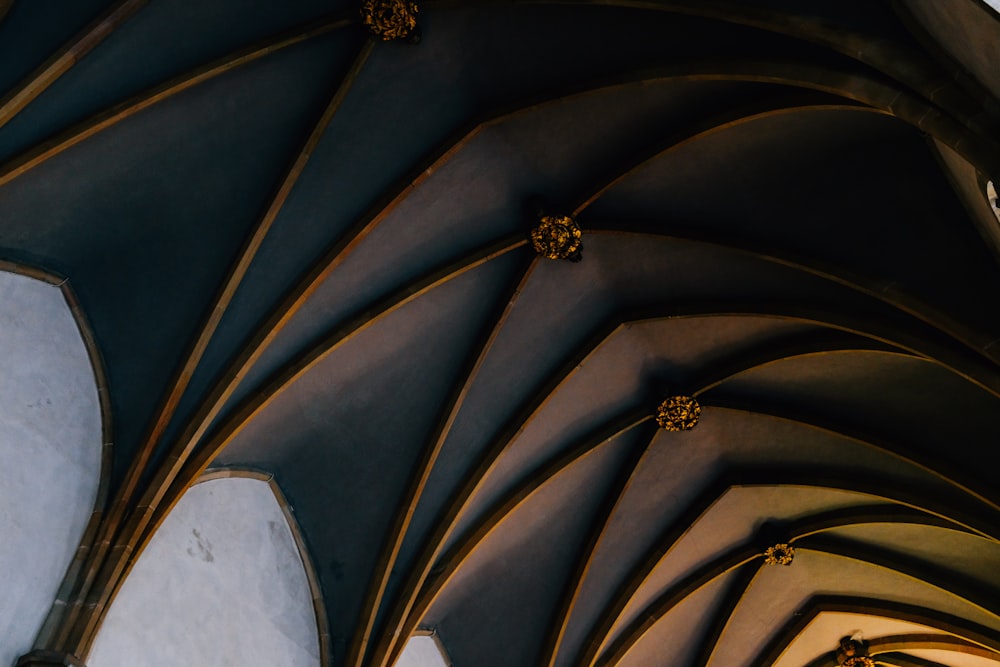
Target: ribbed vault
pixel 305 252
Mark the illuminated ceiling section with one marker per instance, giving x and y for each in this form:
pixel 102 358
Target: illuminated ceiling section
pixel 224 573
pixel 51 447
pixel 423 651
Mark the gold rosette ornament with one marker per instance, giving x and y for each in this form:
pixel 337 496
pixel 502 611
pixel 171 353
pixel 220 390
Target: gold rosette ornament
pixel 678 413
pixel 557 237
pixel 853 653
pixel 390 19
pixel 858 661
pixel 779 554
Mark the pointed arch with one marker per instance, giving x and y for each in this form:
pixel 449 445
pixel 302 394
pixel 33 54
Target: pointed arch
pixel 228 570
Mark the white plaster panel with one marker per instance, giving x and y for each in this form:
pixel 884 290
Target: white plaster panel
pixel 422 651
pixel 221 583
pixel 50 449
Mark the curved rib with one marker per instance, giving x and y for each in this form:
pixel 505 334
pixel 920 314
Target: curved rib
pixel 428 456
pixel 822 79
pixel 232 281
pixel 65 606
pixel 282 378
pixel 63 141
pixel 926 344
pixel 818 604
pixel 285 376
pixel 767 71
pixel 739 555
pixel 62 60
pixel 765 353
pixel 724 612
pixel 885 292
pixel 585 558
pixel 973 592
pixel 907 67
pixel 940 468
pixel 448 564
pixel 779 105
pixel 912 506
pixel 162 495
pixel 928 640
pixel 692 583
pixel 336 254
pixel 446 523
pixel 178 384
pixel 400 628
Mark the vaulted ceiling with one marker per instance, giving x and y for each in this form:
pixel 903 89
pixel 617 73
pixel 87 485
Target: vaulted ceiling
pixel 301 250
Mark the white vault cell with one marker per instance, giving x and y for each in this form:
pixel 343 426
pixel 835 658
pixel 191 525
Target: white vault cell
pixel 423 651
pixel 50 449
pixel 222 582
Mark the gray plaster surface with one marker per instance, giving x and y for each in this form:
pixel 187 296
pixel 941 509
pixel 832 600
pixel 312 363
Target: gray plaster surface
pixel 221 583
pixel 50 451
pixel 421 651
